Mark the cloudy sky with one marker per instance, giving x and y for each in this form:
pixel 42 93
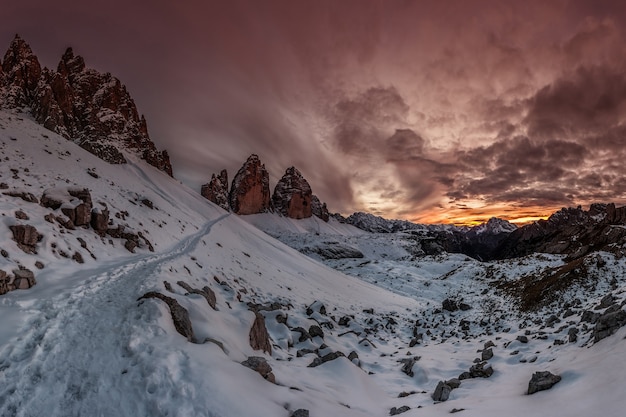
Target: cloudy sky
pixel 450 111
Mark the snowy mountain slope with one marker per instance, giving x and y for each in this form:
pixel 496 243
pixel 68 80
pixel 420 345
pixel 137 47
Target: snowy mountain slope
pixel 80 343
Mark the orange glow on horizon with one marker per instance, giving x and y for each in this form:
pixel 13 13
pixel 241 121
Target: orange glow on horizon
pixel 475 216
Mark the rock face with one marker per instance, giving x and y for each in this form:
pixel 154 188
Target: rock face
pixel 250 191
pixel 541 381
pixel 80 104
pixel 292 195
pixel 216 190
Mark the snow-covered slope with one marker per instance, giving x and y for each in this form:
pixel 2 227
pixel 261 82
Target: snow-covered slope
pixel 81 343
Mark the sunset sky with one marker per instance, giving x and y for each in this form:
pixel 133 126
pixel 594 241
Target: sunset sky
pixel 450 111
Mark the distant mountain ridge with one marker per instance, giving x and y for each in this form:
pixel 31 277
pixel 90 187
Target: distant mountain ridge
pixel 93 109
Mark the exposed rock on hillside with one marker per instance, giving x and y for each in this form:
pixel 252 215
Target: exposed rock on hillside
pixel 79 103
pixel 319 209
pixel 293 196
pixel 216 190
pixel 250 191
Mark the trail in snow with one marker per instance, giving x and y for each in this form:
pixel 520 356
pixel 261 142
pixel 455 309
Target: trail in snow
pixel 81 344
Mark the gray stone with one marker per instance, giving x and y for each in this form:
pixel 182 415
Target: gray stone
pixel 260 365
pixel 315 331
pixel 487 354
pixel 442 392
pixel 522 339
pixel 301 412
pixel 395 411
pixel 541 381
pixel 608 324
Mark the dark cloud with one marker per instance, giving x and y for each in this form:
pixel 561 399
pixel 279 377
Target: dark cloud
pixel 401 107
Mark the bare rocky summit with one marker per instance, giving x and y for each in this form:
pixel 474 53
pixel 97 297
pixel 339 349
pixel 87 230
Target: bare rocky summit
pixel 79 103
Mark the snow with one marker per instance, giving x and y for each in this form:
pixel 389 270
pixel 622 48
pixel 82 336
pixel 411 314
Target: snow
pixel 80 343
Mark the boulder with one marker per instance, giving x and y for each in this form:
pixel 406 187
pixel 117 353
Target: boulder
pixel 23 279
pixel 99 220
pixel 292 195
pixel 260 365
pixel 74 202
pixel 608 323
pixel 326 358
pixel 26 237
pixel 216 190
pixel 541 381
pixel 442 392
pixel 250 190
pixel 301 412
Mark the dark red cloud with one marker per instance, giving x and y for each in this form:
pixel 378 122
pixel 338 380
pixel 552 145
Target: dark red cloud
pixel 399 107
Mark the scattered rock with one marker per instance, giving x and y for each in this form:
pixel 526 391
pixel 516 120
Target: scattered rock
pixel 572 334
pixel 408 363
pixel 395 411
pixel 206 292
pixel 260 365
pixel 487 354
pixel 450 305
pixel 442 392
pixel 26 237
pixel 19 214
pixel 99 220
pixel 28 197
pixel 326 358
pixel 522 339
pixel 23 279
pixel 480 371
pixel 316 331
pixel 179 314
pixel 301 412
pixel 259 338
pixel 541 381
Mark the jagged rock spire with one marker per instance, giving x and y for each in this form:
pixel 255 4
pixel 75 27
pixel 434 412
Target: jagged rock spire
pixel 292 195
pixel 216 190
pixel 79 103
pixel 250 191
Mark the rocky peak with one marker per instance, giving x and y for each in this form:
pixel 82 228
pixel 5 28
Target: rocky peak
pixel 22 72
pixel 292 195
pixel 79 103
pixel 494 226
pixel 319 209
pixel 250 191
pixel 216 190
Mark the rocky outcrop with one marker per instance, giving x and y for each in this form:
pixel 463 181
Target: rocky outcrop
pixel 79 103
pixel 319 209
pixel 608 323
pixel 99 220
pixel 292 195
pixel 259 338
pixel 250 190
pixel 74 202
pixel 216 190
pixel 23 279
pixel 180 315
